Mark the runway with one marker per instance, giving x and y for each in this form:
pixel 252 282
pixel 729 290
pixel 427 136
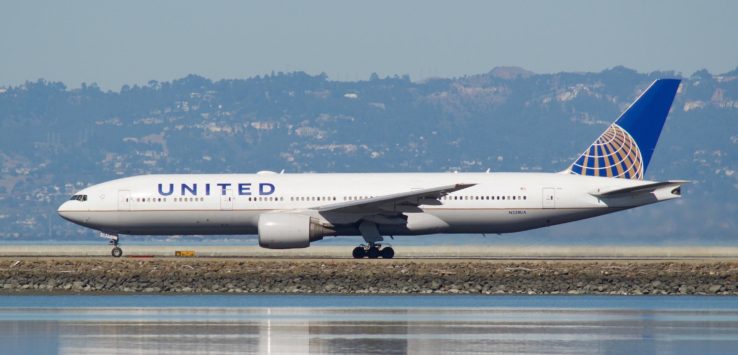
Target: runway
pixel 480 252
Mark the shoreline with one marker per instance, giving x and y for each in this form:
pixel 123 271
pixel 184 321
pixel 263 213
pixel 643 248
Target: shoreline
pixel 108 276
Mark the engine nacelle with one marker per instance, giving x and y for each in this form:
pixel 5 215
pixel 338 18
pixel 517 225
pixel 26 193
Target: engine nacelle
pixel 287 230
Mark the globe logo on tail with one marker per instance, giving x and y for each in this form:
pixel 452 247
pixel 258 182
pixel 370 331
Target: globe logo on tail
pixel 614 154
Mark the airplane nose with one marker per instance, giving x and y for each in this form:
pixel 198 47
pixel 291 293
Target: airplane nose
pixel 64 210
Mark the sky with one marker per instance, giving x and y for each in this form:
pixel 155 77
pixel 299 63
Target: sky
pixel 113 43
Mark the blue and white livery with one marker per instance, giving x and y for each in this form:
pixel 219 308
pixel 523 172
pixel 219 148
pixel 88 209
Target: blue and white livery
pixel 294 210
pixel 625 148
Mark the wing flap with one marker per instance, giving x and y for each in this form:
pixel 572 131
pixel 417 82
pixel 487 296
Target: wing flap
pixel 389 202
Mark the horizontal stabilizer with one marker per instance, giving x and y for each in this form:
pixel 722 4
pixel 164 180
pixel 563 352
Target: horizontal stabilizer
pixel 638 189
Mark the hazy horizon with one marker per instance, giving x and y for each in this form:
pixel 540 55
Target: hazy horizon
pixel 113 44
pixel 329 78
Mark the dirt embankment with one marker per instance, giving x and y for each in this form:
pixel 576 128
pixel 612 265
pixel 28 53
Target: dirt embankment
pixel 159 275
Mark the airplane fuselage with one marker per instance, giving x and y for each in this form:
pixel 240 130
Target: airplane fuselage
pixel 232 203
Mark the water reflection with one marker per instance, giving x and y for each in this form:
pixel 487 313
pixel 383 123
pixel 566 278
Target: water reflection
pixel 365 330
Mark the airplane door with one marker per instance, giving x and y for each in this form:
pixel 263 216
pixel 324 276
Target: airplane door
pixel 226 200
pixel 124 200
pixel 549 197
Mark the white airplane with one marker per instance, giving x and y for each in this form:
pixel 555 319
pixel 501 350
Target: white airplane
pixel 294 210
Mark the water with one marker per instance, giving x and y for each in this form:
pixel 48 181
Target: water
pixel 367 324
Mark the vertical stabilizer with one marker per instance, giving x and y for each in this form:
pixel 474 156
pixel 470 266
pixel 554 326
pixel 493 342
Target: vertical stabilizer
pixel 624 150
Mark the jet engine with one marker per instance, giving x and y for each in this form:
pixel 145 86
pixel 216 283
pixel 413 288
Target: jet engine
pixel 288 230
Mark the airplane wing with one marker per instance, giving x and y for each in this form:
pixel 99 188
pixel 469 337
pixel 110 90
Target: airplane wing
pixel 389 202
pixel 640 188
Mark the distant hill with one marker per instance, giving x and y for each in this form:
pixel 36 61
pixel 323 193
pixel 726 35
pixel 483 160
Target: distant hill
pixel 55 140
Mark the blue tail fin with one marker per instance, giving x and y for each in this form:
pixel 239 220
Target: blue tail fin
pixel 625 148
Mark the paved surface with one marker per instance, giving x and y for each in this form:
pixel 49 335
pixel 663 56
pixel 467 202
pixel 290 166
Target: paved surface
pixel 491 252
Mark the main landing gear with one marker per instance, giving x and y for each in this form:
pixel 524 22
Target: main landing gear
pixel 373 251
pixel 117 252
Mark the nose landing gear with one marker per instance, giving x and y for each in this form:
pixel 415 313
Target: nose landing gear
pixel 117 252
pixel 373 251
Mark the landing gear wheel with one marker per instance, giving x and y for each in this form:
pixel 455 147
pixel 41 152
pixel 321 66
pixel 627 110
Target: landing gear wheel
pixel 359 253
pixel 373 252
pixel 387 253
pixel 113 238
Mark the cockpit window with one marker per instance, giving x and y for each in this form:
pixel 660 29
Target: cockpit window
pixel 79 197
